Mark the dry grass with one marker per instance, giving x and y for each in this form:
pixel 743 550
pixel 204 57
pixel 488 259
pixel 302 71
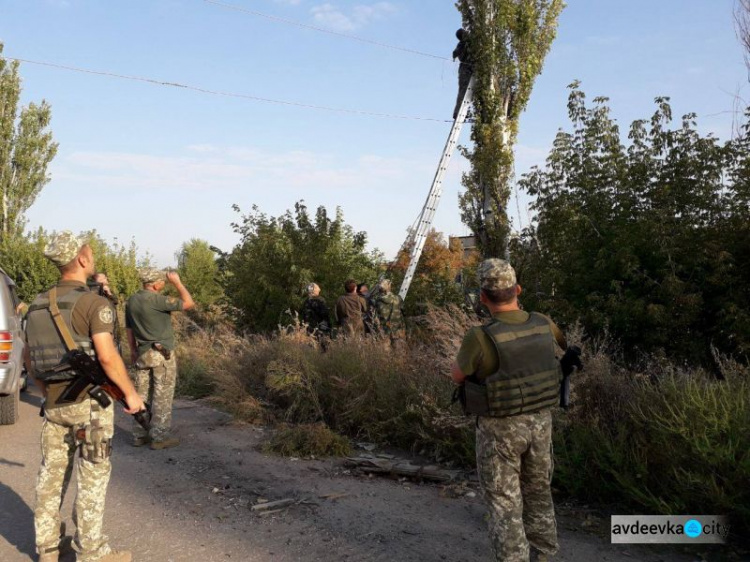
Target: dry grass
pixel 660 438
pixel 314 440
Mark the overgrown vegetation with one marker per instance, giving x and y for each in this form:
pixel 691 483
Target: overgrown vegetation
pixel 266 273
pixel 659 439
pixel 314 440
pixel 650 241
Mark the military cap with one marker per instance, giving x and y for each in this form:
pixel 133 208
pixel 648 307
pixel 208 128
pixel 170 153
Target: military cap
pixel 151 275
pixel 63 248
pixel 496 274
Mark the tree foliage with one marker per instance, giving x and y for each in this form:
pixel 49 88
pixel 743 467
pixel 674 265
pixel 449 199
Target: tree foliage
pixel 26 149
pixel 436 278
pixel 22 258
pixel 651 240
pixel 266 273
pixel 199 271
pixel 508 42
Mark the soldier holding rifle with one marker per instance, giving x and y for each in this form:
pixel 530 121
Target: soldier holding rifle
pixel 66 320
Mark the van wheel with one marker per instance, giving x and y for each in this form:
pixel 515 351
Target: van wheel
pixel 25 382
pixel 9 408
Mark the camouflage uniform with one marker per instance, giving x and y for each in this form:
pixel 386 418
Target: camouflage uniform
pixel 515 462
pixel 514 453
pixel 61 437
pixel 388 310
pixel 148 316
pixel 84 426
pixel 155 380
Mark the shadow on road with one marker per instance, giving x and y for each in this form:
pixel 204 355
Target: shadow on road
pixel 16 521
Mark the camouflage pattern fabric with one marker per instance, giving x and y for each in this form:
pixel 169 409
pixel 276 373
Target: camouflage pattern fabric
pixel 151 275
pixel 515 463
pixel 88 428
pixel 155 379
pixel 390 318
pixel 496 274
pixel 63 248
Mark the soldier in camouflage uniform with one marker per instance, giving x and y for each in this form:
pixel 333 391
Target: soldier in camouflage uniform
pixel 148 319
pixel 514 357
pixel 66 317
pixel 388 309
pixel 315 311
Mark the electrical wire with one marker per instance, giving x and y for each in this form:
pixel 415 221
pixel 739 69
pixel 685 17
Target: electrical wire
pixel 228 94
pixel 296 23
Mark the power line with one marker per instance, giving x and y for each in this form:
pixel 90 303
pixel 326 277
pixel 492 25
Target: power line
pixel 228 94
pixel 296 23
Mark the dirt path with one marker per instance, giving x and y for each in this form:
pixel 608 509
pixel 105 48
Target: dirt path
pixel 192 504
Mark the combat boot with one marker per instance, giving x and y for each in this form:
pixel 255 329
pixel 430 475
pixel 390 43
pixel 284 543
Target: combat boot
pixel 537 556
pixel 167 443
pixel 117 556
pixel 141 441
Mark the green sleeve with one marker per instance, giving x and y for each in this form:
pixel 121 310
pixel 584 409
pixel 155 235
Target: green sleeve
pixel 470 353
pixel 167 304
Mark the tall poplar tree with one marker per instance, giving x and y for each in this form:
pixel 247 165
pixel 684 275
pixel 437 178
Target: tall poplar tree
pixel 26 149
pixel 508 42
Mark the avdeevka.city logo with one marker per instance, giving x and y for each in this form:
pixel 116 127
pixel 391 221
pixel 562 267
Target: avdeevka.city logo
pixel 693 528
pixel 683 529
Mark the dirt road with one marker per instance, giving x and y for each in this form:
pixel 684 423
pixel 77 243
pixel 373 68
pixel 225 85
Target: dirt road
pixel 192 504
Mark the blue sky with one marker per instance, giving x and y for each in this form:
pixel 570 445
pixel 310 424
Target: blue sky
pixel 162 165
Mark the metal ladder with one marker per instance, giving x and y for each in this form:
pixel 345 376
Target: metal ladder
pixel 418 236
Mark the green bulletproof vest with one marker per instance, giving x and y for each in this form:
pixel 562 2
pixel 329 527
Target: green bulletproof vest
pixel 46 346
pixel 528 375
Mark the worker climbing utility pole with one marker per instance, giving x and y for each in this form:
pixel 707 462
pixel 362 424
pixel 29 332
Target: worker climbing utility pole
pixel 509 40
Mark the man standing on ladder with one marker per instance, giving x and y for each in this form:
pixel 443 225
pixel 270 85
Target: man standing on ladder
pixel 462 52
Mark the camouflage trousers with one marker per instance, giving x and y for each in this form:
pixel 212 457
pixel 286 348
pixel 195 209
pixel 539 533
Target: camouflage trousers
pixel 88 428
pixel 515 463
pixel 155 379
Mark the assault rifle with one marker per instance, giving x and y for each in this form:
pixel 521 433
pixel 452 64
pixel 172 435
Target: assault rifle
pixel 569 362
pixel 103 390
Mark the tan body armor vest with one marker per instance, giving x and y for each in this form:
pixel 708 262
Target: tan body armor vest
pixel 46 345
pixel 528 375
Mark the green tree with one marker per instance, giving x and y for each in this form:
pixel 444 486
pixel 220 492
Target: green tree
pixel 22 258
pixel 650 240
pixel 265 274
pixel 197 266
pixel 26 149
pixel 508 42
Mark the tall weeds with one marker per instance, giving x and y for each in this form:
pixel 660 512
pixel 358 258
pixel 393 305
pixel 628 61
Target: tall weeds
pixel 660 439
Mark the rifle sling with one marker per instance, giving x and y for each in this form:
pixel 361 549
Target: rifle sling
pixel 62 329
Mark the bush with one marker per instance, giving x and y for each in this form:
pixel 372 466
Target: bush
pixel 308 440
pixel 663 440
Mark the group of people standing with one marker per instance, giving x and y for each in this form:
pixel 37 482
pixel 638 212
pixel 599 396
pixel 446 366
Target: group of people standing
pixel 71 317
pixel 358 312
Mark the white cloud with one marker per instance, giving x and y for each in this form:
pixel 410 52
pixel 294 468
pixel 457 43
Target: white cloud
pixel 207 167
pixel 352 19
pixel 289 2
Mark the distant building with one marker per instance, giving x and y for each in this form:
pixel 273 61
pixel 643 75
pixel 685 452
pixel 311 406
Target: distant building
pixel 468 244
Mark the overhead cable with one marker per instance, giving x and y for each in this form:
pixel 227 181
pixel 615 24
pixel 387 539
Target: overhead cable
pixel 228 94
pixel 303 25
